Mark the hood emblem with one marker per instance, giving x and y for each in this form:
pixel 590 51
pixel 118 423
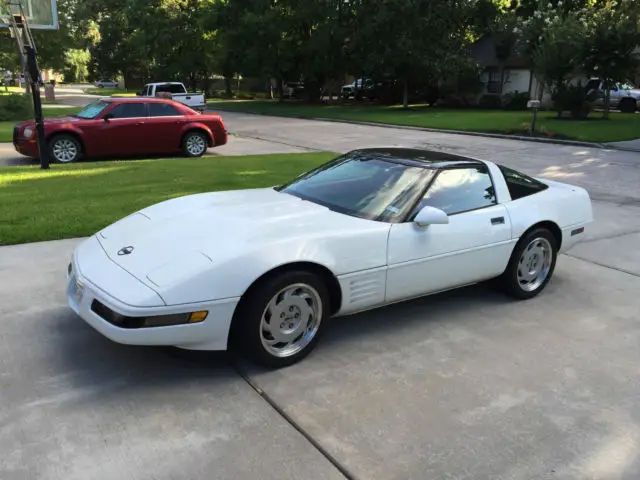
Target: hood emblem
pixel 125 250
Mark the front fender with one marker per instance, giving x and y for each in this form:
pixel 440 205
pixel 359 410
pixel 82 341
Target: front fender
pixel 231 277
pixel 68 129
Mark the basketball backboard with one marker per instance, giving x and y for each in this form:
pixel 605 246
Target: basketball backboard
pixel 41 14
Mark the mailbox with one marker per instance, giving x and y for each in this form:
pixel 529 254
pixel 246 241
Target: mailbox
pixel 533 104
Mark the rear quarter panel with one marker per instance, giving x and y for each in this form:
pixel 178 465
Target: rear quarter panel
pixel 567 206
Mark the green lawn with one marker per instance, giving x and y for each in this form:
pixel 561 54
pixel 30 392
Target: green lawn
pixel 6 128
pixel 619 127
pixel 10 90
pixel 77 200
pixel 110 92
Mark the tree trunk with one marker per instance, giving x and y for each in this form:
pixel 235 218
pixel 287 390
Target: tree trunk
pixel 405 93
pixel 206 82
pixel 227 86
pixel 280 89
pixel 607 103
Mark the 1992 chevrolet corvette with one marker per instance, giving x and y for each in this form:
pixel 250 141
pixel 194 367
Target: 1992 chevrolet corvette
pixel 264 269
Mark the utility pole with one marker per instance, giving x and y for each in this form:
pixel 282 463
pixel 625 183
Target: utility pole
pixel 20 30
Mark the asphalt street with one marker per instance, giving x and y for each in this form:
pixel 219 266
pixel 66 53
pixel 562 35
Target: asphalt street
pixel 464 385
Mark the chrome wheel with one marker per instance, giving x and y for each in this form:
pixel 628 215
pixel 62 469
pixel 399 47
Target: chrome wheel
pixel 195 145
pixel 291 320
pixel 534 264
pixel 65 150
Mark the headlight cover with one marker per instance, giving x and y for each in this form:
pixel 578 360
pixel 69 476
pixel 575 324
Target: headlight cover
pixel 28 132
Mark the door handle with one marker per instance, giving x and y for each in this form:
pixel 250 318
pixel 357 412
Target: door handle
pixel 140 123
pixel 497 221
pixel 188 98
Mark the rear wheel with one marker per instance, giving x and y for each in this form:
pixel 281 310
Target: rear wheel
pixel 195 144
pixel 279 323
pixel 65 149
pixel 627 105
pixel 531 265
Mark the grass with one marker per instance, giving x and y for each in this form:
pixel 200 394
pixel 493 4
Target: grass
pixel 110 92
pixel 77 200
pixel 4 91
pixel 6 128
pixel 620 127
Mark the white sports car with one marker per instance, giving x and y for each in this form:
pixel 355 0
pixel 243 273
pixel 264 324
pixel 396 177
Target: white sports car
pixel 264 269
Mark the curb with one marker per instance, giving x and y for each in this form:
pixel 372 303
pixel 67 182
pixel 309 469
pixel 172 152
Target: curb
pixel 575 143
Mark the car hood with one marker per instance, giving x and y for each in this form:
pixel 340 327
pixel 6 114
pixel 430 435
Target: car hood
pixel 50 121
pixel 171 240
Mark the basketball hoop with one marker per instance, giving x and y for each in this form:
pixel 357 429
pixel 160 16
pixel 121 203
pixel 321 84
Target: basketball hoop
pixel 18 15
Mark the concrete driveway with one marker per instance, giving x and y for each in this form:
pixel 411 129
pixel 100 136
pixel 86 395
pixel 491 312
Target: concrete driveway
pixel 464 385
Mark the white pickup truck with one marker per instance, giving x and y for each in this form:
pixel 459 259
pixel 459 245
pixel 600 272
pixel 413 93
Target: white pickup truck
pixel 622 96
pixel 178 93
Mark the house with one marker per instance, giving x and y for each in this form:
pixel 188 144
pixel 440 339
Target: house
pixel 509 74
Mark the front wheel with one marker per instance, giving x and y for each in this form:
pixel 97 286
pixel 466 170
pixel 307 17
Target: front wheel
pixel 194 144
pixel 279 323
pixel 531 265
pixel 65 149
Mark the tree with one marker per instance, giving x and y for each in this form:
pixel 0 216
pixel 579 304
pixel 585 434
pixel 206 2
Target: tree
pixel 418 51
pixel 612 36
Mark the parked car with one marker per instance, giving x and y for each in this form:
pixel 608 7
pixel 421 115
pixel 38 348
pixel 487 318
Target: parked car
pixel 293 89
pixel 114 127
pixel 623 96
pixel 362 87
pixel 264 269
pixel 177 91
pixel 106 83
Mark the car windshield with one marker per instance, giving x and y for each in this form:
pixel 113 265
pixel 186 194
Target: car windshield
pixel 92 110
pixel 365 186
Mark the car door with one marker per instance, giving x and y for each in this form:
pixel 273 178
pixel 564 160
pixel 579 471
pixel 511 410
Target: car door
pixel 474 245
pixel 163 129
pixel 121 129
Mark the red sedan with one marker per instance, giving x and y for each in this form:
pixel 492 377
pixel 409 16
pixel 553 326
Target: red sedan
pixel 125 127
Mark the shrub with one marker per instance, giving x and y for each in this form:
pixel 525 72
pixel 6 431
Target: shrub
pixel 573 99
pixel 515 101
pixel 15 106
pixel 490 102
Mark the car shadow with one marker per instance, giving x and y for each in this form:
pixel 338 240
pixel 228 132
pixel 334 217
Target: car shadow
pixel 95 358
pixel 92 361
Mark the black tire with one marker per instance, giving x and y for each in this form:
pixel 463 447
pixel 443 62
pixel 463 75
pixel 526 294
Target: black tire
pixel 627 105
pixel 510 282
pixel 201 139
pixel 69 144
pixel 246 334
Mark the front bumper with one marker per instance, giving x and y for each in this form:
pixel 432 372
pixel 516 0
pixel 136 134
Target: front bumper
pixel 95 284
pixel 27 147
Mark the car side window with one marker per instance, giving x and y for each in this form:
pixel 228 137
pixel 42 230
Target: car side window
pixel 176 88
pixel 163 110
pixel 460 190
pixel 519 184
pixel 129 110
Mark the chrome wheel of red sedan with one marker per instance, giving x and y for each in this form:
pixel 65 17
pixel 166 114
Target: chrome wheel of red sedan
pixel 194 144
pixel 65 149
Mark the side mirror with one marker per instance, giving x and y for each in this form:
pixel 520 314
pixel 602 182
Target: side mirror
pixel 138 94
pixel 107 117
pixel 431 216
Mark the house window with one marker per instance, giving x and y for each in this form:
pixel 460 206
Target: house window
pixel 493 83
